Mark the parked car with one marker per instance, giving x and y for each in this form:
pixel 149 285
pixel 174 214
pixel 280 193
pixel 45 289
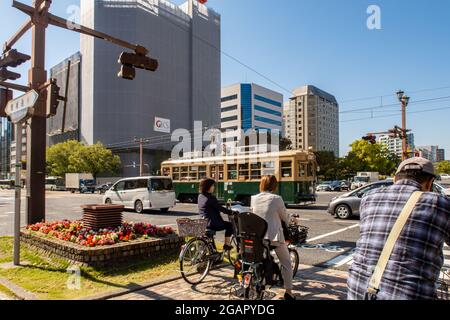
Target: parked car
pixel 344 186
pixel 444 176
pixel 347 205
pixel 102 188
pixel 324 186
pixel 142 193
pixel 335 186
pixel 440 188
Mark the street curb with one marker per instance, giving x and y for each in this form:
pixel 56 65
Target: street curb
pixel 18 291
pixel 135 288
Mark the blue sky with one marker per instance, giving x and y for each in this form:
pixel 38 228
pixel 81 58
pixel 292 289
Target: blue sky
pixel 325 43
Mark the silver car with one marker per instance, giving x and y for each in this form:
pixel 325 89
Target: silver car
pixel 347 205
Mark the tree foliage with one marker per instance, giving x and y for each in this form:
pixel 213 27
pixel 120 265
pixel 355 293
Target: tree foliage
pixel 328 164
pixel 285 144
pixel 365 156
pixel 443 167
pixel 74 157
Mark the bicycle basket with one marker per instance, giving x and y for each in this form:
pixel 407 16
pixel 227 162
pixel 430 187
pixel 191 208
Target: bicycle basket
pixel 297 234
pixel 191 227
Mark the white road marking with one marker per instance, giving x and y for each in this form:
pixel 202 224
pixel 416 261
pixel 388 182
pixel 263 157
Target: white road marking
pixel 339 260
pixel 332 233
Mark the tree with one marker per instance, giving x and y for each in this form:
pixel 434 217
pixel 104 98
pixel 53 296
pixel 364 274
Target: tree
pixel 365 156
pixel 95 159
pixel 443 167
pixel 75 157
pixel 285 144
pixel 328 164
pixel 58 157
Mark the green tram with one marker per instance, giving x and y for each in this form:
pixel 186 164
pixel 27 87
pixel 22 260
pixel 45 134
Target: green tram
pixel 238 176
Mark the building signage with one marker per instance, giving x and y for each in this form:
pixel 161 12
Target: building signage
pixel 161 125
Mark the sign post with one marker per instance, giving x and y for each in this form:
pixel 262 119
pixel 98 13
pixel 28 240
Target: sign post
pixel 18 111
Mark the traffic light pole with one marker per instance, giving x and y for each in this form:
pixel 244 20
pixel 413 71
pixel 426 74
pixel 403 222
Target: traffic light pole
pixel 37 130
pixel 404 133
pixel 141 155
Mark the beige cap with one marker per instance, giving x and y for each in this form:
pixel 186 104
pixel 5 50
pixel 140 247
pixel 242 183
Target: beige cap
pixel 417 163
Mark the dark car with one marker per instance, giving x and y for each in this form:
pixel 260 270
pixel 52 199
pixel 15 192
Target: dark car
pixel 102 188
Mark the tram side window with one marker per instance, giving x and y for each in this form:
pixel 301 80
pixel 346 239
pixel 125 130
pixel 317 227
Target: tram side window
pixel 232 173
pixel 213 174
pixel 166 171
pixel 176 173
pixel 302 169
pixel 286 169
pixel 193 173
pixel 268 168
pixel 243 171
pixel 184 173
pixel 221 170
pixel 255 172
pixel 310 170
pixel 202 172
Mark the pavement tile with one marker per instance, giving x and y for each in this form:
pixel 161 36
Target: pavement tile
pixel 311 283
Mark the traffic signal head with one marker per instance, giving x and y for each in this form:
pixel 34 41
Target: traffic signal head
pixel 52 99
pixel 8 75
pixel 130 61
pixel 127 72
pixel 5 96
pixel 370 138
pixel 12 58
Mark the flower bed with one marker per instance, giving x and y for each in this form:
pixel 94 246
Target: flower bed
pixel 75 232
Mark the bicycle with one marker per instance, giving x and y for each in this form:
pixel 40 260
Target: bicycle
pixel 257 266
pixel 200 253
pixel 443 285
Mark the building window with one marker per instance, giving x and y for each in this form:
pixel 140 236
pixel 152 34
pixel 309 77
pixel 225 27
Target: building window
pixel 229 98
pixel 228 119
pixel 231 108
pixel 232 173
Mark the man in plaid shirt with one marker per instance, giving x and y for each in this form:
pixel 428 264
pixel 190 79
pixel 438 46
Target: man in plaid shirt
pixel 417 257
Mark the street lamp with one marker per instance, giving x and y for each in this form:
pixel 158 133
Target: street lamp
pixel 404 101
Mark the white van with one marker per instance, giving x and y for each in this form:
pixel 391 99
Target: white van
pixel 142 193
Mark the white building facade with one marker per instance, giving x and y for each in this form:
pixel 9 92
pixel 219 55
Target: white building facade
pixel 249 107
pixel 395 144
pixel 311 120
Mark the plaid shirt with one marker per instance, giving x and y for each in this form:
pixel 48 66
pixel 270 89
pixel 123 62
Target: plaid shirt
pixel 417 257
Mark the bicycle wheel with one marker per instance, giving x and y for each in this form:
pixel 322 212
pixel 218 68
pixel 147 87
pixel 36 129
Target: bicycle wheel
pixel 295 261
pixel 254 291
pixel 232 255
pixel 194 261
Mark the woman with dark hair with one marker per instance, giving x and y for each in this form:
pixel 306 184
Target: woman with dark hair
pixel 210 209
pixel 271 208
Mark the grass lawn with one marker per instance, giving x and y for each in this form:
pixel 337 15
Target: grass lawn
pixel 48 277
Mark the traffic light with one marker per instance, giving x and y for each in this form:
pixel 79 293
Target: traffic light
pixel 5 96
pixel 12 58
pixel 370 138
pixel 52 99
pixel 130 61
pixel 8 75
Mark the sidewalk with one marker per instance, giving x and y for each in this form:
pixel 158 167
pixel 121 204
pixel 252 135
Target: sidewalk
pixel 311 283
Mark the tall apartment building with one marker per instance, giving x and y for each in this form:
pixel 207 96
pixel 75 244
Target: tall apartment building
pixel 311 120
pixel 248 106
pixel 395 145
pixel 186 87
pixel 6 133
pixel 440 155
pixel 72 120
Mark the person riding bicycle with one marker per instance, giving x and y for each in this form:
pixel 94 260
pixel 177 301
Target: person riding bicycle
pixel 271 208
pixel 210 209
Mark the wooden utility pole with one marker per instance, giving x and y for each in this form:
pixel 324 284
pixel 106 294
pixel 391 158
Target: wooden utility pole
pixel 404 100
pixel 141 142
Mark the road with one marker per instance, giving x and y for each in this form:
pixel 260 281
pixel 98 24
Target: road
pixel 331 241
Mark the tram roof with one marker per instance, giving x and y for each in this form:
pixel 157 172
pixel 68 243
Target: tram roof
pixel 220 159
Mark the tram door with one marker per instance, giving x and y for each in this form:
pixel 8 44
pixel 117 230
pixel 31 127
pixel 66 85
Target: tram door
pixel 217 174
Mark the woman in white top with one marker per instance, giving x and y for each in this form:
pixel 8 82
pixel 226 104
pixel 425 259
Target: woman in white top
pixel 271 208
